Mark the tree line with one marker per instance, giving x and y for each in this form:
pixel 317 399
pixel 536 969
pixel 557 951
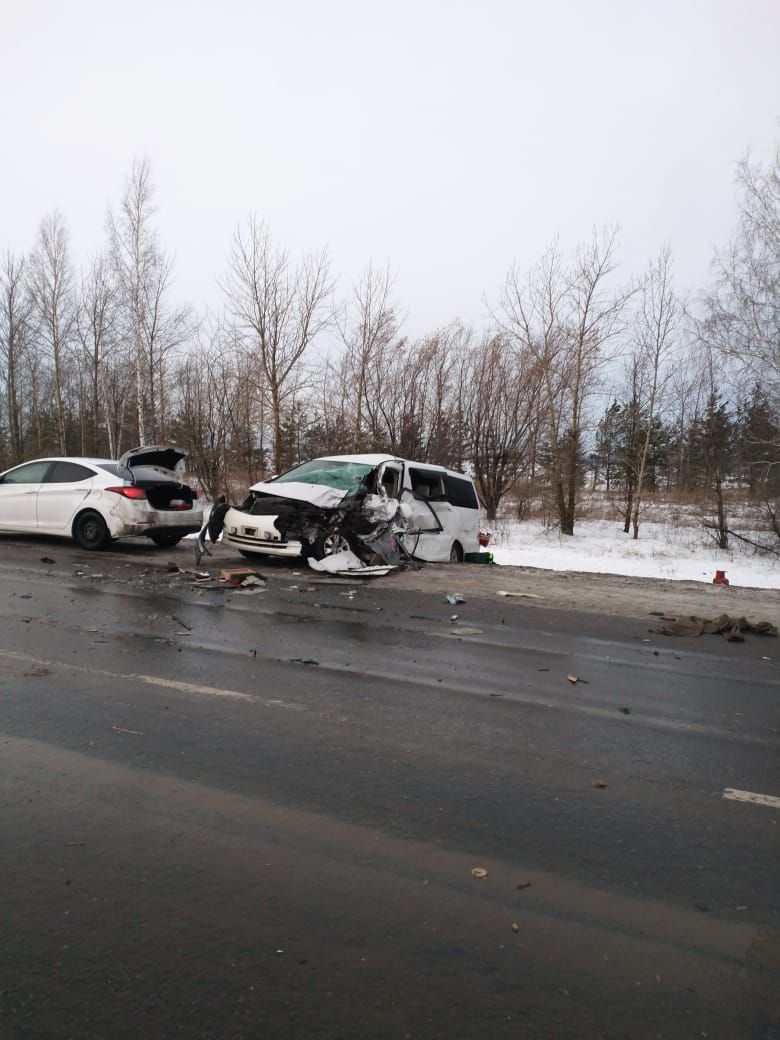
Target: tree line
pixel 577 380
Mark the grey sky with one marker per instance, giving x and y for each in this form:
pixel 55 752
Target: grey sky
pixel 448 138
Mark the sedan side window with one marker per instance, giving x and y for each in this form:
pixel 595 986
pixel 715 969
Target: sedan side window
pixel 32 473
pixel 68 473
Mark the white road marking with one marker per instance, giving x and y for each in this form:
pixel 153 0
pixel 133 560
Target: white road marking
pixel 154 680
pixel 752 797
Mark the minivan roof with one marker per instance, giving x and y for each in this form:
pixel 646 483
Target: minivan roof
pixel 376 460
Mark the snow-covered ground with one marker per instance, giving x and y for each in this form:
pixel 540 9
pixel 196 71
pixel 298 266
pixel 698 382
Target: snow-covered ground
pixel 600 546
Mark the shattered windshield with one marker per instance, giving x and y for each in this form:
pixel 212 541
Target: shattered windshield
pixel 344 476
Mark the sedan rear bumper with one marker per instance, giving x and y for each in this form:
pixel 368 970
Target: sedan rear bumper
pixel 157 521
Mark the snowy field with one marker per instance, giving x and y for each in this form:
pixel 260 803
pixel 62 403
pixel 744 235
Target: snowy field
pixel 599 546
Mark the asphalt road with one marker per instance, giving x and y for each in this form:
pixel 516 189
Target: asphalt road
pixel 240 816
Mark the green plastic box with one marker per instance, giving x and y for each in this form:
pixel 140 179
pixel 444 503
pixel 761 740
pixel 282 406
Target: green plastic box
pixel 478 557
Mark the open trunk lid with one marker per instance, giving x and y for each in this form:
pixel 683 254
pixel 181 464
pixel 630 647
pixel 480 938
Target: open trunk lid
pixel 157 455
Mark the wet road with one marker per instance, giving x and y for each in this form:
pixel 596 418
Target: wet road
pixel 229 815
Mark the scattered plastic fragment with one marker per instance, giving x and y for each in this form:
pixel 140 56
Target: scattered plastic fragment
pixel 515 927
pixel 304 660
pixel 238 575
pixel 625 711
pixel 524 884
pixel 46 559
pixel 599 784
pixel 574 679
pixel 121 729
pixel 455 597
pixel 479 872
pixel 346 562
pixel 519 595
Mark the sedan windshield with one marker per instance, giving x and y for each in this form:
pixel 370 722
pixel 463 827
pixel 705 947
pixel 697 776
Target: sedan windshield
pixel 344 476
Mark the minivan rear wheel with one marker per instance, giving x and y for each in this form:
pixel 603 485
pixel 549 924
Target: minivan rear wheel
pixel 90 531
pixel 456 553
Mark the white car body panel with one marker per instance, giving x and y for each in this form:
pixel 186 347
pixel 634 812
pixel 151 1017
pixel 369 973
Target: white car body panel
pixel 18 507
pixel 58 504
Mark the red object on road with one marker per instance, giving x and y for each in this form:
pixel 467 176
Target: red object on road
pixel 720 578
pixel 484 539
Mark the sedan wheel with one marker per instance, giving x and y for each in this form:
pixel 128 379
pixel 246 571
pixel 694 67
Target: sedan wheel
pixel 90 531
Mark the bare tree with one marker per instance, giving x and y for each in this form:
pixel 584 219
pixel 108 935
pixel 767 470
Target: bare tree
pixel 658 322
pixel 566 318
pixel 52 290
pixel 152 329
pixel 279 310
pixel 15 313
pixel 370 327
pixel 96 326
pixel 743 309
pixel 209 395
pixel 502 413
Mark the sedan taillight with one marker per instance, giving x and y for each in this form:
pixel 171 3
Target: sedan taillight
pixel 128 491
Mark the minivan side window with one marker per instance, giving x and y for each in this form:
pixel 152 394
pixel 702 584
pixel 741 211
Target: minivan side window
pixel 426 483
pixel 460 492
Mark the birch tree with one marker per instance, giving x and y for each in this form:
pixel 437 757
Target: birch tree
pixel 153 329
pixel 15 315
pixel 52 290
pixel 658 322
pixel 279 309
pixel 96 327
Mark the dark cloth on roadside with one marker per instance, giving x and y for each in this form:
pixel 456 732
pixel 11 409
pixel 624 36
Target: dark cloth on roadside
pixel 730 628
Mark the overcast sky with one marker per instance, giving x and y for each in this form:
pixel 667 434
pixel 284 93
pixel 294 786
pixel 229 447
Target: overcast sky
pixel 448 138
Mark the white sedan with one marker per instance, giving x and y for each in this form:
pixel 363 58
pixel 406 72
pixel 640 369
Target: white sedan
pixel 96 500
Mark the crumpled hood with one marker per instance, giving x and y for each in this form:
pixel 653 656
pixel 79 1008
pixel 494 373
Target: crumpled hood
pixel 315 494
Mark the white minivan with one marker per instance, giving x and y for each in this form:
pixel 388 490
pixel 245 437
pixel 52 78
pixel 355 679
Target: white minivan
pixel 374 505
